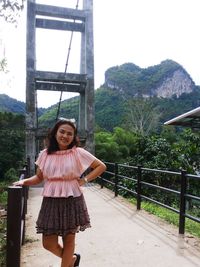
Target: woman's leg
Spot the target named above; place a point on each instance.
(50, 242)
(68, 257)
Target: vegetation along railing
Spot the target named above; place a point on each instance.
(16, 211)
(166, 188)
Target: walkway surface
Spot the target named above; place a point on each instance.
(120, 236)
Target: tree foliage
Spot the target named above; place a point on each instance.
(189, 149)
(117, 146)
(168, 150)
(109, 109)
(141, 116)
(11, 9)
(3, 64)
(12, 136)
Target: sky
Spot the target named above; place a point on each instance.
(143, 32)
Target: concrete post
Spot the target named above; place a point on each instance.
(88, 53)
(30, 86)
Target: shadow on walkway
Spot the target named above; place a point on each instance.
(120, 236)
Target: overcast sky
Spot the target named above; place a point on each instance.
(144, 32)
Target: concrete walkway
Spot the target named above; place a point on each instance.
(120, 236)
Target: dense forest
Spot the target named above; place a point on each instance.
(167, 149)
(12, 145)
(111, 110)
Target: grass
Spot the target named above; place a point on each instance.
(2, 251)
(3, 203)
(169, 216)
(2, 242)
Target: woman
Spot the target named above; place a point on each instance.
(63, 211)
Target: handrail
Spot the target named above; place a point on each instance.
(114, 179)
(16, 212)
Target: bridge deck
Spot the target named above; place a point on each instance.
(120, 236)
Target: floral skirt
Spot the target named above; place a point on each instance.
(62, 216)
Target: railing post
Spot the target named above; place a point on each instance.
(14, 212)
(102, 181)
(182, 202)
(139, 176)
(22, 175)
(24, 212)
(116, 180)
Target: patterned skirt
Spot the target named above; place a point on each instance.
(62, 216)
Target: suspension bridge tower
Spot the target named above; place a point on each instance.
(62, 19)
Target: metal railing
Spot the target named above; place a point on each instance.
(16, 212)
(140, 179)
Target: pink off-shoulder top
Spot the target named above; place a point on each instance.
(61, 170)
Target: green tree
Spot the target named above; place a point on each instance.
(106, 148)
(9, 12)
(11, 175)
(127, 141)
(117, 146)
(12, 142)
(189, 150)
(142, 117)
(11, 9)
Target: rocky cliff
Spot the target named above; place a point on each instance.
(164, 80)
(179, 83)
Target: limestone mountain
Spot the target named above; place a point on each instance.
(163, 80)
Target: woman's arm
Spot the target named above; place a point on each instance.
(33, 180)
(98, 167)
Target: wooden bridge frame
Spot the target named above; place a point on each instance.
(82, 83)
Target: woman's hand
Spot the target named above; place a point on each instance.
(19, 183)
(98, 167)
(81, 181)
(33, 180)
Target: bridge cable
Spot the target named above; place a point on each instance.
(66, 65)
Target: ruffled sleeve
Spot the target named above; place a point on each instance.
(40, 162)
(85, 159)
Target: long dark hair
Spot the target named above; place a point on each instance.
(52, 145)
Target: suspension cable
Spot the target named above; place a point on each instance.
(66, 65)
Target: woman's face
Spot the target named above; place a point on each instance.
(64, 136)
